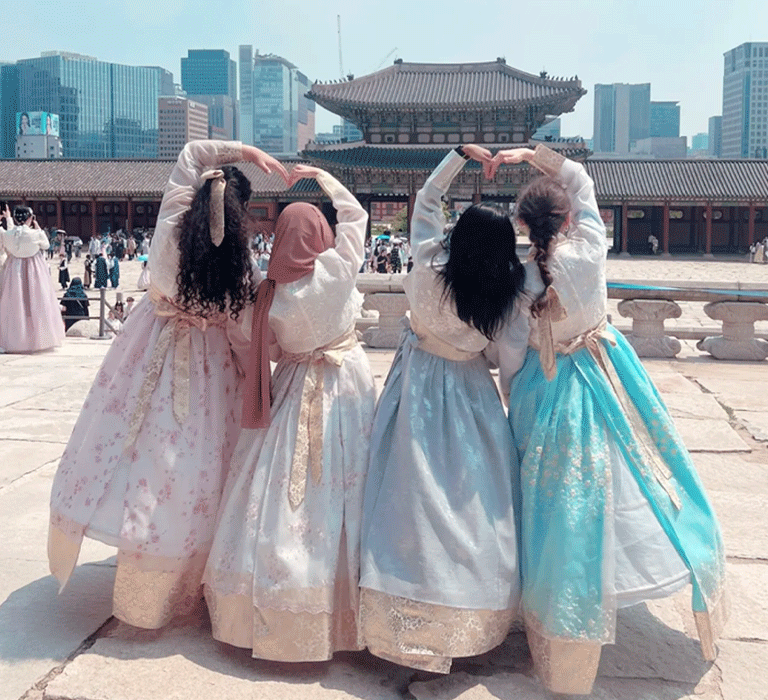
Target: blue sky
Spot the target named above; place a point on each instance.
(676, 46)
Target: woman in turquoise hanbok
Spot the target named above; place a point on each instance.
(612, 509)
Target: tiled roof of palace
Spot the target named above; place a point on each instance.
(631, 180)
(362, 155)
(117, 178)
(447, 85)
(683, 179)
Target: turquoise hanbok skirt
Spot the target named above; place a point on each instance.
(575, 436)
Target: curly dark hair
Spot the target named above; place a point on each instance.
(543, 206)
(483, 275)
(213, 278)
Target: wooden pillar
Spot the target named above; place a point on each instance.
(624, 229)
(665, 229)
(411, 205)
(129, 216)
(94, 231)
(477, 198)
(751, 224)
(59, 214)
(708, 233)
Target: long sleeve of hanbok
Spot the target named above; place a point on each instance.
(428, 220)
(507, 351)
(185, 180)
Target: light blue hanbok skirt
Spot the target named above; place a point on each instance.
(439, 568)
(612, 506)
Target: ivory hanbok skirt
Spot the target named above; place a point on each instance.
(613, 511)
(30, 316)
(282, 577)
(440, 575)
(153, 496)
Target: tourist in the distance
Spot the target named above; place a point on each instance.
(613, 512)
(63, 272)
(87, 271)
(75, 303)
(114, 271)
(439, 570)
(30, 316)
(146, 462)
(282, 577)
(101, 273)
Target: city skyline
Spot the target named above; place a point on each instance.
(678, 51)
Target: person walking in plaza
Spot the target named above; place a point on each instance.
(88, 271)
(63, 272)
(145, 464)
(439, 569)
(114, 271)
(282, 576)
(75, 303)
(30, 316)
(613, 512)
(101, 273)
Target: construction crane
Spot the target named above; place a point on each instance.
(383, 60)
(341, 63)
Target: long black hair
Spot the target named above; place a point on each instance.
(543, 206)
(211, 277)
(483, 275)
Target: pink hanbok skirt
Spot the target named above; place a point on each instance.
(30, 314)
(154, 498)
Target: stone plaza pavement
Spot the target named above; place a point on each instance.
(67, 646)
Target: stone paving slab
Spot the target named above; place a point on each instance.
(744, 669)
(24, 456)
(68, 397)
(742, 519)
(755, 422)
(40, 426)
(736, 391)
(687, 405)
(710, 435)
(184, 664)
(747, 586)
(732, 473)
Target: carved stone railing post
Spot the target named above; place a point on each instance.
(648, 316)
(738, 340)
(392, 306)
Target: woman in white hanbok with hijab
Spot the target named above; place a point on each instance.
(282, 577)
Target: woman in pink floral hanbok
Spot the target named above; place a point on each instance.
(146, 462)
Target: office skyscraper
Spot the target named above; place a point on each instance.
(715, 136)
(622, 116)
(209, 77)
(745, 101)
(281, 117)
(9, 107)
(106, 110)
(665, 119)
(245, 59)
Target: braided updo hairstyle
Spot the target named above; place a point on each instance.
(543, 206)
(210, 277)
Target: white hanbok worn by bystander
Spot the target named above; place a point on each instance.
(282, 577)
(146, 462)
(30, 315)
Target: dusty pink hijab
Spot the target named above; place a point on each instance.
(301, 234)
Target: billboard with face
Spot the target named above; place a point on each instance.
(32, 123)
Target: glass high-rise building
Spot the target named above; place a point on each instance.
(281, 119)
(9, 106)
(665, 119)
(745, 101)
(716, 136)
(106, 110)
(245, 59)
(209, 76)
(622, 116)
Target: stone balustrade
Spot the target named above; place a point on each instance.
(734, 304)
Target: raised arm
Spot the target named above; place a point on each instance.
(428, 220)
(195, 158)
(351, 218)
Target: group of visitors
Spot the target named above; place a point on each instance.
(385, 255)
(316, 520)
(758, 252)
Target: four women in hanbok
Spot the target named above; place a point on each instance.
(146, 462)
(409, 545)
(30, 317)
(440, 575)
(282, 577)
(613, 511)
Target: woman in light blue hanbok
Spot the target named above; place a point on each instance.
(613, 511)
(439, 571)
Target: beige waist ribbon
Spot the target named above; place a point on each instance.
(649, 452)
(429, 342)
(308, 451)
(179, 325)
